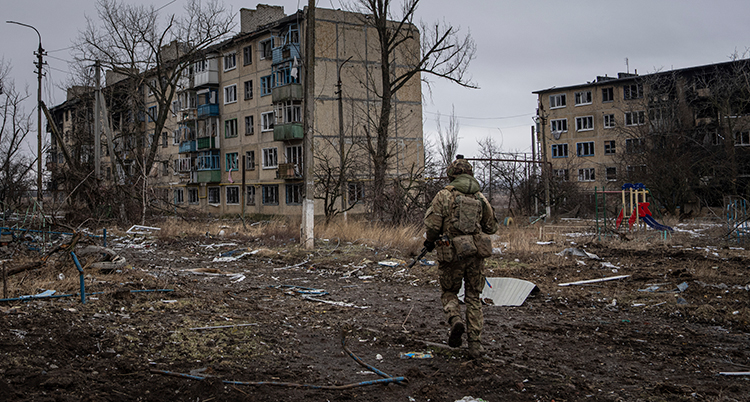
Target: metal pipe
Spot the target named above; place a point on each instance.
(80, 276)
(25, 298)
(285, 384)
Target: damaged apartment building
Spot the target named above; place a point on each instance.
(684, 133)
(233, 142)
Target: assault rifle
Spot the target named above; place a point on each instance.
(442, 241)
(419, 257)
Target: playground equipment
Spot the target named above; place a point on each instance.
(738, 218)
(634, 206)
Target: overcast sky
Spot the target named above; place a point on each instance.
(522, 46)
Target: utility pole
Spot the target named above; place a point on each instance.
(541, 120)
(97, 125)
(342, 179)
(308, 207)
(39, 64)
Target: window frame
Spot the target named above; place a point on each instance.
(293, 193)
(559, 150)
(178, 196)
(248, 89)
(250, 124)
(267, 121)
(230, 128)
(213, 193)
(250, 195)
(270, 194)
(613, 177)
(627, 91)
(265, 47)
(585, 149)
(193, 196)
(266, 85)
(557, 101)
(608, 94)
(230, 94)
(563, 174)
(270, 155)
(608, 120)
(235, 193)
(587, 174)
(578, 98)
(355, 192)
(634, 145)
(580, 126)
(247, 55)
(558, 122)
(250, 160)
(610, 147)
(742, 138)
(231, 161)
(635, 118)
(231, 56)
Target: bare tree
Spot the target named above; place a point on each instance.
(448, 140)
(15, 125)
(443, 54)
(151, 54)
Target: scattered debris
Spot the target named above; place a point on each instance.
(392, 263)
(576, 252)
(609, 265)
(472, 399)
(735, 373)
(46, 293)
(221, 327)
(416, 355)
(228, 257)
(109, 260)
(610, 278)
(505, 291)
(138, 229)
(342, 304)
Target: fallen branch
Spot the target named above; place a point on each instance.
(222, 326)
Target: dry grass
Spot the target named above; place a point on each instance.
(405, 238)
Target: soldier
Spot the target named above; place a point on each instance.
(459, 221)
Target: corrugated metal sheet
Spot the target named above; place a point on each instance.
(505, 291)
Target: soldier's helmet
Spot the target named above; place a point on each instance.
(459, 166)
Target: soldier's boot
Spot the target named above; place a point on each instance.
(456, 332)
(475, 349)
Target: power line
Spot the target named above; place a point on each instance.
(482, 118)
(60, 50)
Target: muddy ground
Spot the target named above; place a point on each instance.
(604, 341)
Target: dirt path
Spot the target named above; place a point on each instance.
(604, 341)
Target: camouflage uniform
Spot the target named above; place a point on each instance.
(470, 269)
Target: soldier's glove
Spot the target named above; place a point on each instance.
(429, 245)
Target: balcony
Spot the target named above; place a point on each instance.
(208, 77)
(206, 143)
(208, 169)
(287, 92)
(289, 171)
(187, 146)
(208, 110)
(186, 115)
(286, 53)
(208, 176)
(288, 132)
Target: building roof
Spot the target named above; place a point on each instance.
(625, 77)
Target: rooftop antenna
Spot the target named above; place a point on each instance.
(627, 66)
